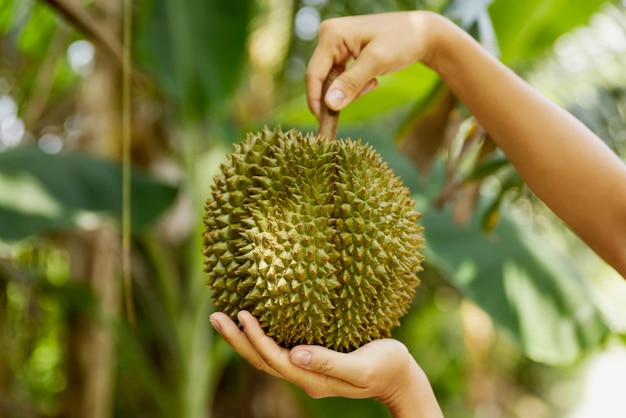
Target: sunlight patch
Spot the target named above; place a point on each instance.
(23, 193)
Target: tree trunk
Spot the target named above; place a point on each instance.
(96, 255)
(91, 344)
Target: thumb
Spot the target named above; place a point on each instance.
(328, 362)
(350, 84)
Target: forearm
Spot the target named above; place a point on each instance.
(563, 163)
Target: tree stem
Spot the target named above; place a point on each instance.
(328, 118)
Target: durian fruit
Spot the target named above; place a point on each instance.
(317, 239)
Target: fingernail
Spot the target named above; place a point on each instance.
(215, 325)
(301, 358)
(335, 98)
(241, 322)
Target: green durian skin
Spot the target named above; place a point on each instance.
(318, 239)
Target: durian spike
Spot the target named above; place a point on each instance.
(328, 118)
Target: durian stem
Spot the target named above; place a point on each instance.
(328, 118)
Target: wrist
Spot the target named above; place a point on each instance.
(439, 35)
(413, 396)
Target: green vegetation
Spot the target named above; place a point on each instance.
(510, 302)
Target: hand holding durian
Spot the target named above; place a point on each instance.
(382, 369)
(563, 162)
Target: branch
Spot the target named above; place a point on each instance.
(80, 17)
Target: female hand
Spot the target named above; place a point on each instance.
(382, 369)
(379, 44)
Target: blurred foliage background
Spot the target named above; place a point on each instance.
(513, 311)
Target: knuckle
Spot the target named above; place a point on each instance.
(309, 75)
(367, 377)
(270, 364)
(315, 392)
(327, 28)
(350, 83)
(323, 366)
(378, 53)
(259, 365)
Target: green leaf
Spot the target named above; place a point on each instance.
(526, 29)
(30, 23)
(40, 192)
(529, 288)
(195, 49)
(489, 168)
